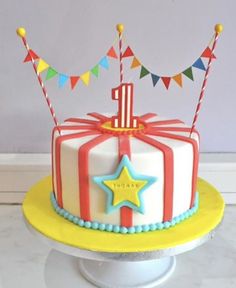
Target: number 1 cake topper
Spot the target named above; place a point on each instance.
(124, 92)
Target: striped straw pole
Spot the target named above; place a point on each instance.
(21, 33)
(218, 30)
(120, 28)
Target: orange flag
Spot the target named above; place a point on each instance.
(178, 79)
(135, 63)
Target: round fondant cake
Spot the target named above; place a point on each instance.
(124, 180)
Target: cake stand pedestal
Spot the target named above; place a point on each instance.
(111, 260)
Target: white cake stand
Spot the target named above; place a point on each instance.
(113, 269)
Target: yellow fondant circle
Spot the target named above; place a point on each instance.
(39, 213)
(128, 191)
(107, 125)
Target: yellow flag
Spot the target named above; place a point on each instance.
(42, 65)
(85, 78)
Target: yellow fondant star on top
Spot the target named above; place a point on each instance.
(124, 187)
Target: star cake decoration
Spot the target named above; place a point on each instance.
(125, 187)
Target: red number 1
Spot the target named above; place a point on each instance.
(124, 95)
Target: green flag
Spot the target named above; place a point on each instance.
(189, 73)
(144, 72)
(51, 73)
(95, 70)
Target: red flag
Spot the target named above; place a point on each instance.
(128, 53)
(166, 81)
(32, 54)
(73, 81)
(207, 53)
(112, 53)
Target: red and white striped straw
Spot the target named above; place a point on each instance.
(218, 30)
(21, 32)
(120, 28)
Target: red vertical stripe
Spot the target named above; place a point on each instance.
(83, 177)
(126, 213)
(58, 143)
(195, 158)
(168, 173)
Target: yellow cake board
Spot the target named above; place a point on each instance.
(39, 213)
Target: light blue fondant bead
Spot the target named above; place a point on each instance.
(146, 228)
(57, 209)
(166, 224)
(160, 226)
(87, 224)
(173, 222)
(191, 212)
(81, 222)
(123, 230)
(187, 214)
(66, 215)
(182, 217)
(177, 219)
(153, 227)
(195, 209)
(62, 212)
(102, 226)
(138, 229)
(109, 227)
(75, 220)
(70, 217)
(131, 230)
(116, 228)
(94, 225)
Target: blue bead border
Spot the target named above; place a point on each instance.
(121, 229)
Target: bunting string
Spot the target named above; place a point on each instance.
(218, 30)
(166, 80)
(42, 66)
(31, 57)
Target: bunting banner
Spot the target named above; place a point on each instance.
(43, 66)
(166, 80)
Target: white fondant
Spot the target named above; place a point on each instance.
(146, 160)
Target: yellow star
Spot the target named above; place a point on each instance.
(125, 188)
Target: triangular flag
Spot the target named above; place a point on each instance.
(85, 78)
(207, 53)
(32, 54)
(128, 53)
(135, 63)
(155, 79)
(42, 65)
(178, 79)
(199, 64)
(95, 70)
(51, 73)
(62, 80)
(104, 62)
(73, 81)
(144, 72)
(166, 81)
(112, 53)
(189, 73)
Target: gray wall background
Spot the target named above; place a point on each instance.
(167, 35)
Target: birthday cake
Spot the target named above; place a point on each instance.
(124, 179)
(124, 173)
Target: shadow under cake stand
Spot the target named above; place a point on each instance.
(112, 260)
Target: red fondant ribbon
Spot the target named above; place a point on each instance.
(168, 173)
(83, 176)
(195, 157)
